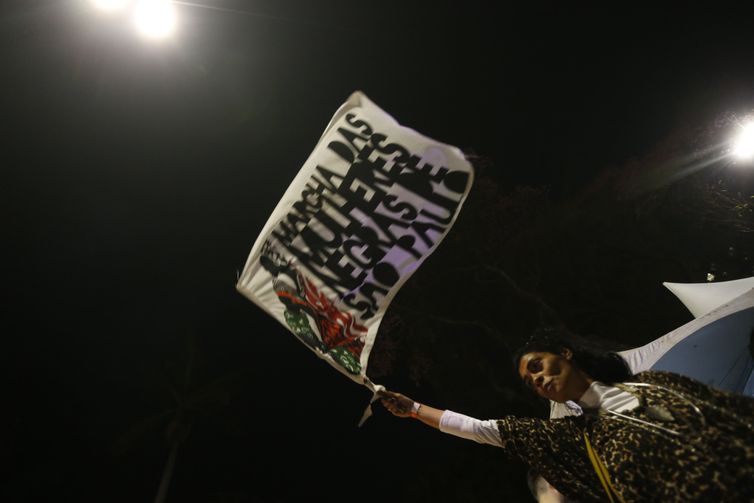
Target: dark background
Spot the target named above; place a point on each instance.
(137, 175)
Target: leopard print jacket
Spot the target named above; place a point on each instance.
(711, 460)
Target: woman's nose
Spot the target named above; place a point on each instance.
(539, 380)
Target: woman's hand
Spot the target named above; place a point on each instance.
(397, 404)
(403, 406)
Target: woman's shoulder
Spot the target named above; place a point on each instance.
(668, 379)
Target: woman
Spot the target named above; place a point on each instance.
(656, 436)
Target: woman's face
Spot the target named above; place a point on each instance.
(553, 376)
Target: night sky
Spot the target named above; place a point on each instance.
(136, 176)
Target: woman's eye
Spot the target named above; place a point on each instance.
(535, 366)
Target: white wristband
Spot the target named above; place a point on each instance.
(415, 409)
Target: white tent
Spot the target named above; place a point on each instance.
(701, 298)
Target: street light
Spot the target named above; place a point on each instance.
(155, 19)
(743, 145)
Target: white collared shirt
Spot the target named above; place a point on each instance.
(601, 396)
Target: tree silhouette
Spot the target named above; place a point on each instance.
(185, 401)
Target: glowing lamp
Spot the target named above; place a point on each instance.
(743, 145)
(154, 19)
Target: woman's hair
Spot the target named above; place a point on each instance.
(603, 366)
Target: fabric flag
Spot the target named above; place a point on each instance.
(369, 205)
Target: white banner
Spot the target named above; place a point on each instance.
(371, 202)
